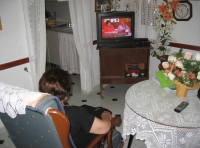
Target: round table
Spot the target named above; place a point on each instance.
(149, 113)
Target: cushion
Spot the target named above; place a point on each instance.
(164, 81)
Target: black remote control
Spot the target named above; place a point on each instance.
(181, 106)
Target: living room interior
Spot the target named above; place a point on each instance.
(15, 42)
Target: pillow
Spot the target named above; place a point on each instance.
(164, 81)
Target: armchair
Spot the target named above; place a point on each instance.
(45, 125)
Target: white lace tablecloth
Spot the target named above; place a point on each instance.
(149, 113)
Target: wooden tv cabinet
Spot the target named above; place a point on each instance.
(115, 61)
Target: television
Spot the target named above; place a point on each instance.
(115, 29)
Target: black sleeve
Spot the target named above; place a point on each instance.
(96, 111)
(80, 119)
(85, 119)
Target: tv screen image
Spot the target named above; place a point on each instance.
(116, 27)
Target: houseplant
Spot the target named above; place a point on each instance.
(164, 28)
(184, 70)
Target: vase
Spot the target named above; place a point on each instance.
(162, 59)
(181, 89)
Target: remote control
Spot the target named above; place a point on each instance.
(181, 106)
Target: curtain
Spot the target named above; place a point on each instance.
(81, 17)
(69, 59)
(34, 15)
(144, 17)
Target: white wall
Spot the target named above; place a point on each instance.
(13, 44)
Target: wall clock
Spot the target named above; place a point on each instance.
(184, 11)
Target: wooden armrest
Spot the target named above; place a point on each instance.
(115, 121)
(62, 125)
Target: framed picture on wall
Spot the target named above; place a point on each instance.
(102, 5)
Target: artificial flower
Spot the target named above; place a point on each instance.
(164, 27)
(165, 65)
(188, 55)
(191, 76)
(174, 4)
(197, 56)
(179, 64)
(183, 67)
(171, 76)
(178, 73)
(171, 58)
(162, 8)
(167, 16)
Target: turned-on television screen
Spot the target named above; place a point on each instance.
(115, 29)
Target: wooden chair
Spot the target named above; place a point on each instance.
(46, 125)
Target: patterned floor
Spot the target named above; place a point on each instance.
(113, 100)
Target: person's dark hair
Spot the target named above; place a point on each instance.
(55, 82)
(108, 21)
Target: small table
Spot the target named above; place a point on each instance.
(149, 113)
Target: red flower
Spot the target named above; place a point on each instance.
(178, 73)
(162, 8)
(168, 16)
(174, 4)
(191, 76)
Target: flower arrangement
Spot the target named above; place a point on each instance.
(183, 67)
(164, 27)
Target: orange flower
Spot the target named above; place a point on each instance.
(167, 16)
(167, 71)
(191, 76)
(162, 8)
(174, 4)
(178, 73)
(171, 66)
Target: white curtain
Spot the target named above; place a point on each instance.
(69, 59)
(144, 17)
(34, 15)
(81, 17)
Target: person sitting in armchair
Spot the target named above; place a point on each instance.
(84, 124)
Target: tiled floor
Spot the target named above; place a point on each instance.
(93, 99)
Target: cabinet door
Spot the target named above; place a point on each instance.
(112, 62)
(131, 55)
(53, 48)
(136, 55)
(142, 55)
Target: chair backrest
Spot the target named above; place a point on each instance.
(36, 128)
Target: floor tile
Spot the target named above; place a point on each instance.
(3, 130)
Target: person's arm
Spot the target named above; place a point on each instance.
(101, 126)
